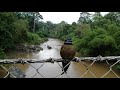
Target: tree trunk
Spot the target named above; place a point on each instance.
(34, 24)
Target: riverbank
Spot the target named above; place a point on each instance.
(28, 48)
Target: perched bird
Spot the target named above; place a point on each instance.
(67, 53)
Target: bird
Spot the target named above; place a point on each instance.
(67, 53)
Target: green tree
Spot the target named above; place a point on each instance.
(85, 18)
(7, 29)
(37, 16)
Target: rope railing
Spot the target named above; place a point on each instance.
(14, 72)
(52, 60)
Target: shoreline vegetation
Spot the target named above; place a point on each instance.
(28, 48)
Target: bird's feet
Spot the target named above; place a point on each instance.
(76, 59)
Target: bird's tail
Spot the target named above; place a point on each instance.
(65, 65)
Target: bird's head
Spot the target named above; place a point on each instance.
(68, 41)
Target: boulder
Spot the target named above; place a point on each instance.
(49, 47)
(29, 48)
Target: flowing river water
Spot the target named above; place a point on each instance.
(52, 70)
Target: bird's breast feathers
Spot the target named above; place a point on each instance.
(67, 52)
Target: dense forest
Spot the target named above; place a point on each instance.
(19, 28)
(92, 35)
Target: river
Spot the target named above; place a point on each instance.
(52, 70)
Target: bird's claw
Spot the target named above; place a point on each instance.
(76, 59)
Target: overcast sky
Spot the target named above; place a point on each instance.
(57, 17)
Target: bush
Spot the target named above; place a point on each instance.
(40, 34)
(2, 54)
(33, 38)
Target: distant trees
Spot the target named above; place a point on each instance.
(36, 16)
(85, 18)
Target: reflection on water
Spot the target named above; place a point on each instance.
(51, 70)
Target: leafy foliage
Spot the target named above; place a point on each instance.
(33, 38)
(2, 54)
(15, 28)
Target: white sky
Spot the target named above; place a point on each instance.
(57, 17)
